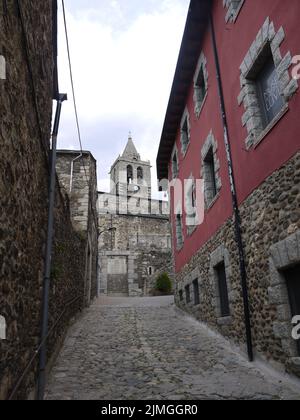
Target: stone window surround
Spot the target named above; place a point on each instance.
(201, 66)
(284, 255)
(150, 271)
(3, 328)
(178, 212)
(220, 255)
(188, 281)
(211, 142)
(180, 294)
(175, 153)
(185, 119)
(191, 220)
(233, 9)
(252, 119)
(188, 294)
(2, 67)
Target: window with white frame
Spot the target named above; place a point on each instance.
(200, 84)
(185, 135)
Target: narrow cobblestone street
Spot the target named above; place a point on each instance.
(139, 349)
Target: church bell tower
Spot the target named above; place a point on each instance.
(131, 176)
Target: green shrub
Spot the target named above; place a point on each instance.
(164, 284)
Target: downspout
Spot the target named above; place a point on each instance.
(72, 170)
(237, 217)
(47, 269)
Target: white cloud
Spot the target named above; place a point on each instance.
(123, 69)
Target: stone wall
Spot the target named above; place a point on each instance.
(270, 215)
(78, 178)
(162, 263)
(143, 243)
(26, 113)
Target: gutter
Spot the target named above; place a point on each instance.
(48, 257)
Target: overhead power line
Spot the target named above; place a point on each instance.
(73, 89)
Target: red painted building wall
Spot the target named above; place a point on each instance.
(281, 143)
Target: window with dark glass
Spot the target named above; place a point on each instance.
(179, 232)
(181, 295)
(292, 277)
(210, 176)
(175, 165)
(185, 133)
(223, 290)
(200, 88)
(196, 292)
(188, 294)
(269, 93)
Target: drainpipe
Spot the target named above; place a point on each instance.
(237, 217)
(72, 170)
(47, 269)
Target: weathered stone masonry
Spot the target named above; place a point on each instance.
(78, 178)
(26, 112)
(270, 215)
(139, 243)
(134, 230)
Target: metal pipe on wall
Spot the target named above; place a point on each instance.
(72, 171)
(48, 257)
(237, 217)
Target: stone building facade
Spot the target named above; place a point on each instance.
(77, 173)
(135, 238)
(28, 45)
(262, 131)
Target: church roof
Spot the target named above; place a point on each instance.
(130, 151)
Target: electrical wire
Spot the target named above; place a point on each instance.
(74, 98)
(73, 89)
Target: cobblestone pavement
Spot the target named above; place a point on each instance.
(144, 349)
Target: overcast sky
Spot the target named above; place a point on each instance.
(124, 54)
